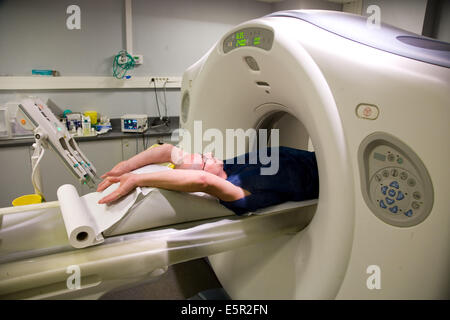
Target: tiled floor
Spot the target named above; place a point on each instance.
(181, 281)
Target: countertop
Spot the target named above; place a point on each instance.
(115, 133)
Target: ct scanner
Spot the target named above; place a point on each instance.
(373, 102)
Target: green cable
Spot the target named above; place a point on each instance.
(120, 69)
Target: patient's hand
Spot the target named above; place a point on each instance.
(119, 169)
(128, 182)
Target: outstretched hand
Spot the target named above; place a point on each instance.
(128, 182)
(119, 169)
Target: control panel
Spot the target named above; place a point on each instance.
(395, 183)
(249, 37)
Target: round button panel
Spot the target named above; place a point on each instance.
(395, 183)
(396, 192)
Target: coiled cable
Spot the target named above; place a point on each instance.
(122, 64)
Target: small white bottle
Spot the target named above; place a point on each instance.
(86, 126)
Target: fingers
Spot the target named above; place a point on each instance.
(118, 170)
(107, 182)
(112, 173)
(127, 184)
(113, 196)
(105, 175)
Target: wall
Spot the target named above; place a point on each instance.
(306, 4)
(171, 34)
(443, 31)
(404, 14)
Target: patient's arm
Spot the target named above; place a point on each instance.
(160, 154)
(177, 180)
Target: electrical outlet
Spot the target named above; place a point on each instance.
(138, 58)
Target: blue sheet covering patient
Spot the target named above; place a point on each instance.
(296, 179)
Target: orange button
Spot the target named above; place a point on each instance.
(23, 121)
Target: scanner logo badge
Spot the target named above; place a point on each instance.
(374, 280)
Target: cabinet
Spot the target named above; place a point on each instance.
(132, 145)
(15, 172)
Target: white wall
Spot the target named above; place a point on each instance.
(404, 14)
(306, 4)
(171, 34)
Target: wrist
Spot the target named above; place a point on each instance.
(136, 180)
(129, 166)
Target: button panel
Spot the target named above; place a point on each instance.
(395, 183)
(394, 195)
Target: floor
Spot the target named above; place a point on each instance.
(182, 281)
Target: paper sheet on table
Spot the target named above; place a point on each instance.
(85, 219)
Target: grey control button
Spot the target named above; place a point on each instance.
(391, 157)
(252, 64)
(394, 172)
(415, 205)
(417, 195)
(378, 177)
(411, 182)
(385, 173)
(403, 175)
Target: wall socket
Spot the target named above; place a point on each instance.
(138, 58)
(161, 78)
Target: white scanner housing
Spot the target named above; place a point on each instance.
(353, 91)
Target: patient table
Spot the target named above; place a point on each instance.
(37, 260)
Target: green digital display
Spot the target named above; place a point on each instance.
(243, 40)
(249, 37)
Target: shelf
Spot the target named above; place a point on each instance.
(76, 83)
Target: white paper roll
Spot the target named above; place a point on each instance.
(85, 219)
(82, 229)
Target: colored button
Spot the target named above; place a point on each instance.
(400, 196)
(393, 209)
(389, 200)
(394, 184)
(382, 204)
(399, 160)
(367, 111)
(384, 189)
(391, 192)
(409, 213)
